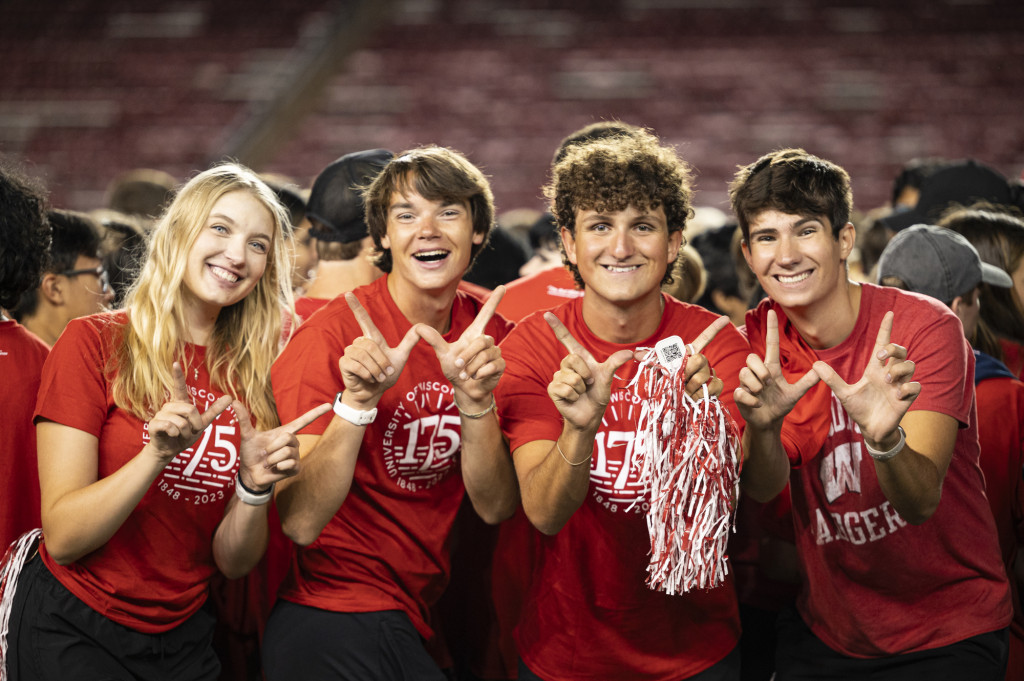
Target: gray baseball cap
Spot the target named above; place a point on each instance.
(937, 262)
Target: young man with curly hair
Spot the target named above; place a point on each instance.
(863, 403)
(621, 205)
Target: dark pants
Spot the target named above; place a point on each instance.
(54, 636)
(319, 645)
(727, 669)
(802, 655)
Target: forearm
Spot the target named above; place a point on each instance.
(766, 465)
(82, 520)
(241, 538)
(553, 489)
(308, 501)
(487, 469)
(912, 484)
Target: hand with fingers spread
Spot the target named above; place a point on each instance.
(370, 366)
(179, 424)
(884, 393)
(271, 455)
(473, 363)
(765, 396)
(581, 388)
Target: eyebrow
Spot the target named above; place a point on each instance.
(796, 225)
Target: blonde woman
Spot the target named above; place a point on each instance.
(152, 471)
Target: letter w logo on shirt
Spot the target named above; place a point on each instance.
(840, 471)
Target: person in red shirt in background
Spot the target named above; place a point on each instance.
(343, 244)
(413, 433)
(860, 397)
(942, 264)
(150, 483)
(24, 251)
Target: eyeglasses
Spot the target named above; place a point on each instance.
(100, 272)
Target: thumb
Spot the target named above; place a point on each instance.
(412, 337)
(810, 379)
(614, 362)
(828, 375)
(432, 337)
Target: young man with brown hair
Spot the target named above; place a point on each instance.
(860, 398)
(414, 431)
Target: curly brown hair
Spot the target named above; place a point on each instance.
(614, 173)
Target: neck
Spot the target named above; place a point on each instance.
(828, 323)
(200, 321)
(46, 324)
(433, 308)
(335, 277)
(622, 324)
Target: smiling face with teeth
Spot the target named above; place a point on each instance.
(622, 257)
(430, 241)
(228, 257)
(797, 260)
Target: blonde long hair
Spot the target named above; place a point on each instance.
(246, 336)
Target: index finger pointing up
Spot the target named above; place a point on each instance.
(771, 339)
(307, 418)
(485, 314)
(884, 331)
(564, 337)
(363, 318)
(179, 391)
(708, 334)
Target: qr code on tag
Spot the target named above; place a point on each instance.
(670, 351)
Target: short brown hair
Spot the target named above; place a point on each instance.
(795, 182)
(436, 174)
(613, 173)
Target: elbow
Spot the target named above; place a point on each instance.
(759, 492)
(61, 549)
(544, 522)
(497, 515)
(921, 513)
(300, 534)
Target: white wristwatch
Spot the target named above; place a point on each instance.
(354, 416)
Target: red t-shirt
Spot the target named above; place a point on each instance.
(1013, 356)
(589, 613)
(1000, 435)
(875, 585)
(21, 362)
(153, 573)
(539, 291)
(387, 546)
(306, 306)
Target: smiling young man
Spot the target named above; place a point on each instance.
(414, 431)
(861, 398)
(621, 205)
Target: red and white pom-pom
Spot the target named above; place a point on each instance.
(14, 559)
(687, 452)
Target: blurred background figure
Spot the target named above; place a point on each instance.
(942, 264)
(141, 192)
(74, 285)
(124, 250)
(338, 225)
(24, 252)
(300, 241)
(998, 237)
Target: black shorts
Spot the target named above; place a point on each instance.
(802, 655)
(54, 636)
(320, 645)
(726, 669)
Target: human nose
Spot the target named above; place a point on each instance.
(788, 252)
(234, 250)
(622, 243)
(428, 227)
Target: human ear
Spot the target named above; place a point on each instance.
(52, 288)
(569, 244)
